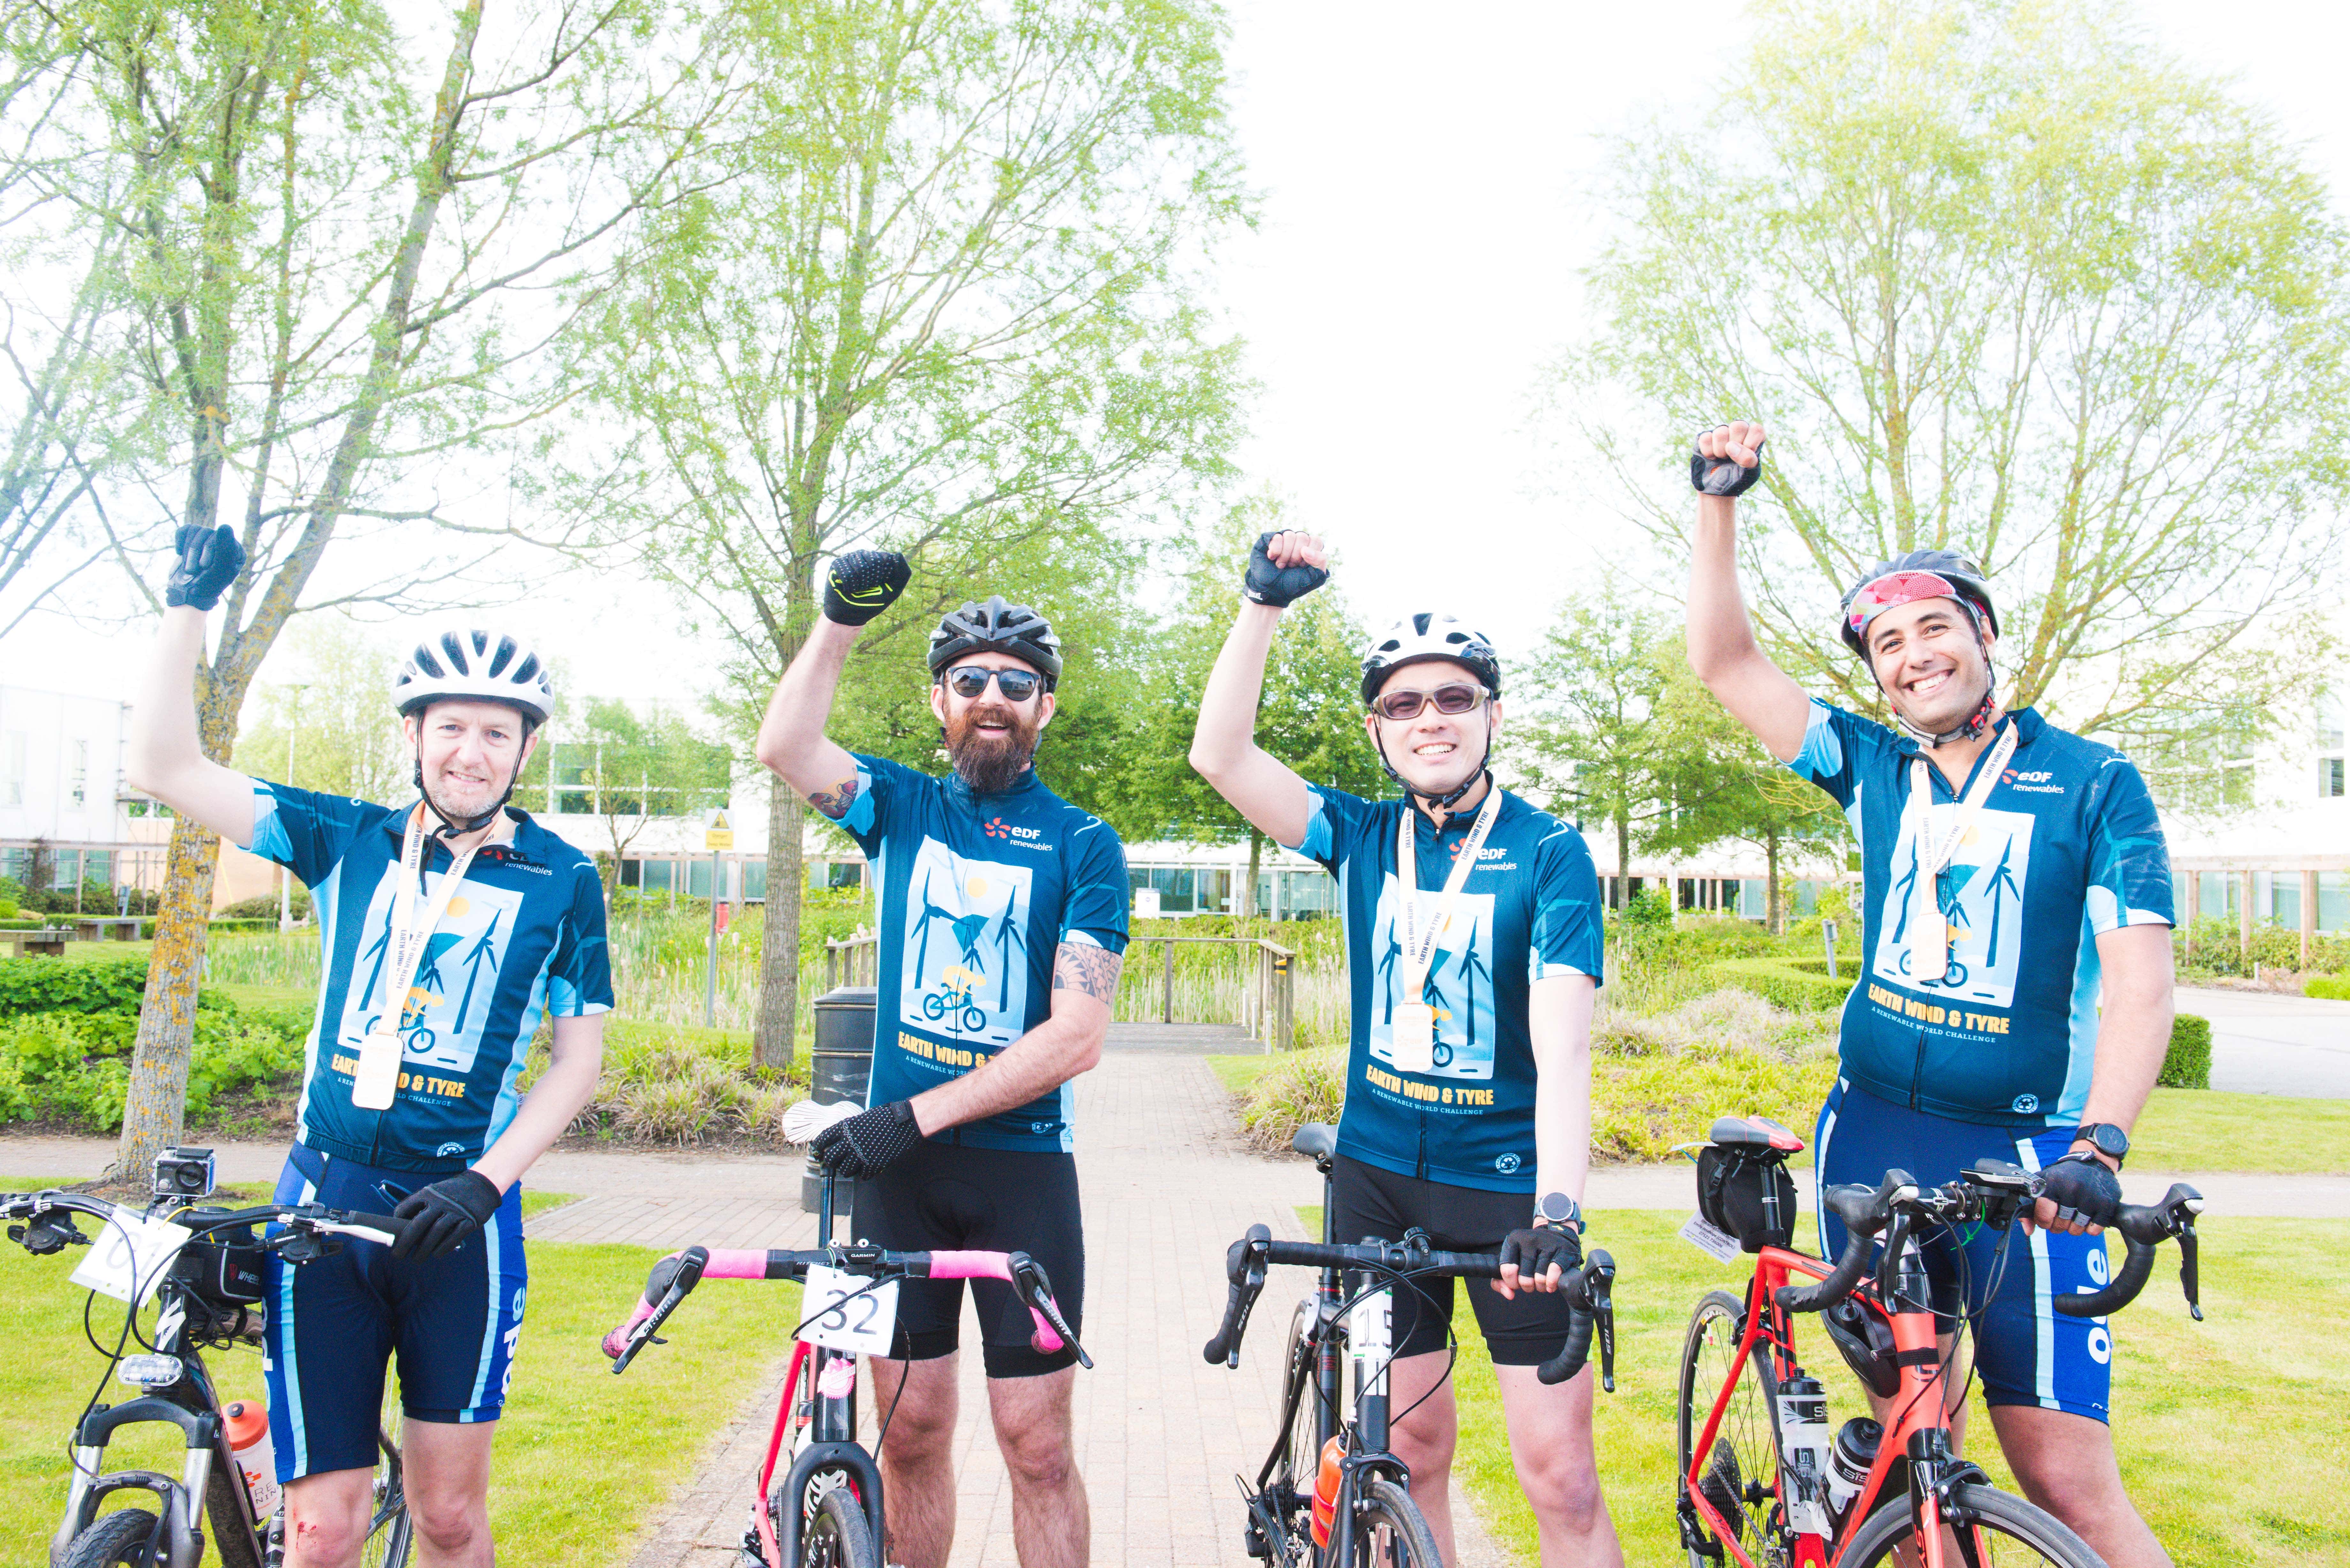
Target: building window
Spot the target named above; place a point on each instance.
(12, 768)
(2330, 752)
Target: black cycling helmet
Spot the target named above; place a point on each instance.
(1004, 627)
(1960, 579)
(1424, 636)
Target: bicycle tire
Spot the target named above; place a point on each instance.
(117, 1540)
(1989, 1512)
(1390, 1531)
(1284, 1508)
(1742, 1475)
(224, 1511)
(839, 1535)
(390, 1532)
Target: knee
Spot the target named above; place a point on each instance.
(1039, 1455)
(448, 1526)
(1424, 1441)
(920, 1430)
(325, 1526)
(1563, 1488)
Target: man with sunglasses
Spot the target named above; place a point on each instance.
(1002, 919)
(1469, 1075)
(2017, 1002)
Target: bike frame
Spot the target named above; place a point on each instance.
(1919, 1434)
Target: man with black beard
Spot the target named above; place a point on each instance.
(1002, 919)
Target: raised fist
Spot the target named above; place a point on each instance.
(862, 584)
(1728, 459)
(1284, 568)
(210, 559)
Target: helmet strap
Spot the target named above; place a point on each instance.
(1439, 803)
(1972, 727)
(456, 826)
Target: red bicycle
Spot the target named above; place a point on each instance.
(1763, 1482)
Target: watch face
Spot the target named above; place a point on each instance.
(2109, 1140)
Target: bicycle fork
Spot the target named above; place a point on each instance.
(1370, 1344)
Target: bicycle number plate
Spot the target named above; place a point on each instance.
(844, 1316)
(131, 1250)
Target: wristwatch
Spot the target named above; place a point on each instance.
(2105, 1139)
(1559, 1212)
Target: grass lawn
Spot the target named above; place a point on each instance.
(584, 1458)
(2222, 1425)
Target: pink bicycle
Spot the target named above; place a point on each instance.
(825, 1512)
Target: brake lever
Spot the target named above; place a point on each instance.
(1602, 1312)
(49, 1234)
(2189, 1271)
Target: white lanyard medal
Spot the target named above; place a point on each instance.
(1412, 1033)
(377, 1077)
(1930, 928)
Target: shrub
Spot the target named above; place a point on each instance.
(1308, 1086)
(1794, 983)
(45, 985)
(2187, 1064)
(265, 907)
(2335, 988)
(75, 1067)
(1649, 907)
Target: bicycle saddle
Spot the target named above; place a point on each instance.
(1753, 1132)
(1316, 1139)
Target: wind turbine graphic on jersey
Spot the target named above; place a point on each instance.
(1008, 936)
(481, 953)
(966, 929)
(2003, 883)
(1472, 965)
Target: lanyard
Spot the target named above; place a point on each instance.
(1921, 801)
(1419, 949)
(410, 933)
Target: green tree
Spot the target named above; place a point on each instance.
(347, 237)
(1309, 717)
(1718, 785)
(330, 725)
(2000, 277)
(945, 302)
(633, 768)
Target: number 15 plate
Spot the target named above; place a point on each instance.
(843, 1315)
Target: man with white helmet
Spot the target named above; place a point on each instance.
(1001, 920)
(1469, 1078)
(452, 927)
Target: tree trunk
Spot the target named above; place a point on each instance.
(1623, 859)
(153, 1114)
(779, 951)
(1771, 859)
(1256, 857)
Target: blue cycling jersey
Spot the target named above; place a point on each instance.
(2066, 847)
(523, 940)
(1529, 909)
(977, 893)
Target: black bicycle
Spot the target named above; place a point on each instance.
(210, 1297)
(1330, 1493)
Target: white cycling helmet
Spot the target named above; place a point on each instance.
(1424, 636)
(472, 665)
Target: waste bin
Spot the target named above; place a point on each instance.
(841, 1068)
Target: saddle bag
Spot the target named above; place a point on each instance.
(1744, 1189)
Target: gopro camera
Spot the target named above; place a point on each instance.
(183, 1173)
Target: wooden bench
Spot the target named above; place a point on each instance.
(97, 928)
(49, 942)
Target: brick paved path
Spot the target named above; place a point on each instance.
(1160, 1432)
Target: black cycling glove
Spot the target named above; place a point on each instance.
(862, 584)
(1719, 475)
(2082, 1189)
(869, 1142)
(210, 559)
(1267, 584)
(444, 1216)
(1536, 1248)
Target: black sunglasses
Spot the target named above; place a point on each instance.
(1449, 698)
(969, 681)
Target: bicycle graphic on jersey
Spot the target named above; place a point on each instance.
(955, 989)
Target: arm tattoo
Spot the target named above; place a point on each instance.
(1079, 966)
(835, 802)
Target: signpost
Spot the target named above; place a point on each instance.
(1827, 935)
(717, 836)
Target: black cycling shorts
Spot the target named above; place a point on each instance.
(942, 1198)
(1371, 1202)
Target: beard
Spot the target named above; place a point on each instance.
(991, 761)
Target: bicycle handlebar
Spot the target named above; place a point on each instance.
(1590, 1304)
(674, 1277)
(1897, 1202)
(299, 1219)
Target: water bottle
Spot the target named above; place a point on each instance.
(1326, 1490)
(248, 1442)
(1850, 1460)
(1803, 1453)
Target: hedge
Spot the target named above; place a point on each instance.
(2332, 988)
(1799, 984)
(2187, 1064)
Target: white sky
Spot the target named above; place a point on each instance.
(1413, 271)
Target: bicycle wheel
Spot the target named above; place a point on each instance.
(116, 1539)
(389, 1531)
(1741, 1477)
(839, 1534)
(1390, 1531)
(1999, 1529)
(1284, 1511)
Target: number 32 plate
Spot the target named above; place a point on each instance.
(841, 1318)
